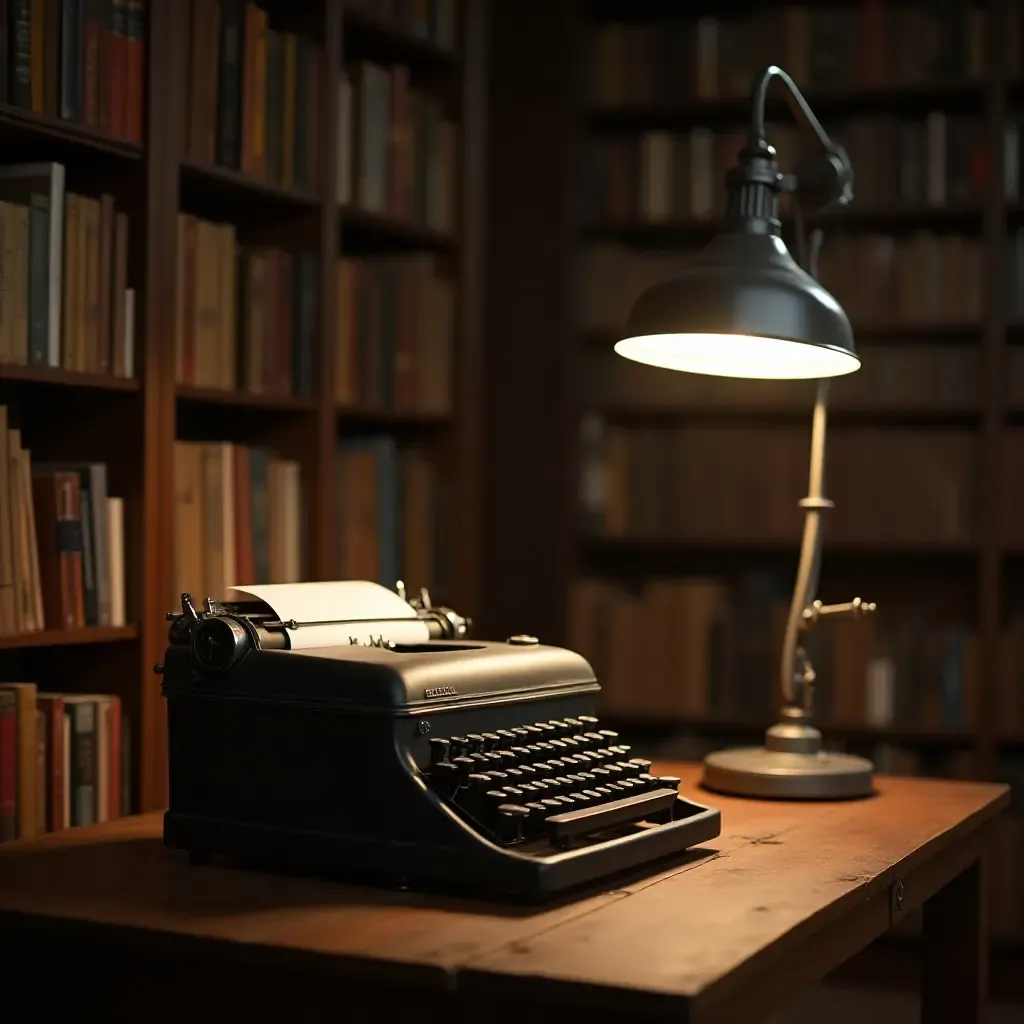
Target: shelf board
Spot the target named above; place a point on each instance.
(213, 178)
(69, 135)
(385, 419)
(718, 727)
(378, 37)
(382, 230)
(243, 399)
(675, 414)
(697, 230)
(69, 637)
(635, 548)
(654, 116)
(67, 378)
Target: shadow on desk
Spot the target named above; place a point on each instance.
(141, 876)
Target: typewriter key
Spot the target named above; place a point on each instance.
(439, 749)
(445, 775)
(459, 746)
(588, 721)
(575, 725)
(608, 734)
(511, 821)
(476, 743)
(491, 741)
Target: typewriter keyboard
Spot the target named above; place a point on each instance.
(554, 782)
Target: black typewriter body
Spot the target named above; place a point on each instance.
(451, 763)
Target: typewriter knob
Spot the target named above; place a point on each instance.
(219, 642)
(523, 640)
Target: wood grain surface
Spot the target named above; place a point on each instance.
(791, 886)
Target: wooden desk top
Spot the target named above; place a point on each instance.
(784, 880)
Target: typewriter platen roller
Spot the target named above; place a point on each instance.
(390, 746)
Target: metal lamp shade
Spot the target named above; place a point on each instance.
(743, 308)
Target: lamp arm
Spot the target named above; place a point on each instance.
(806, 586)
(797, 104)
(809, 567)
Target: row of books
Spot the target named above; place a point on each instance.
(397, 149)
(920, 278)
(61, 542)
(78, 60)
(435, 21)
(395, 335)
(254, 94)
(697, 648)
(392, 513)
(881, 280)
(245, 317)
(661, 176)
(64, 271)
(911, 378)
(239, 517)
(64, 760)
(833, 47)
(726, 483)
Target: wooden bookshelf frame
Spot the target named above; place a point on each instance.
(166, 180)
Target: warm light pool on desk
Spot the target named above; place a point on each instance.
(746, 308)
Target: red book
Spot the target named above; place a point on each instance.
(52, 708)
(117, 94)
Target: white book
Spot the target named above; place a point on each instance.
(115, 557)
(880, 679)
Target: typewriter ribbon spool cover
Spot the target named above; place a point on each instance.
(339, 727)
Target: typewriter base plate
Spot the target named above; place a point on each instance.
(534, 872)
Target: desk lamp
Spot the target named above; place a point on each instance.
(745, 308)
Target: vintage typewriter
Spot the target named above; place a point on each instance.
(342, 727)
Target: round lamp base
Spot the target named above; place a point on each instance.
(783, 775)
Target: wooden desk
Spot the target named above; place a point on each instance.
(106, 921)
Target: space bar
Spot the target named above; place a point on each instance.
(616, 812)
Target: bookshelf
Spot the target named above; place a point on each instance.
(209, 376)
(629, 185)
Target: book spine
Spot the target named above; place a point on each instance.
(20, 42)
(229, 119)
(51, 57)
(135, 92)
(70, 45)
(8, 769)
(38, 278)
(91, 63)
(83, 762)
(118, 104)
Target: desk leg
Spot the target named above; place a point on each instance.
(955, 970)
